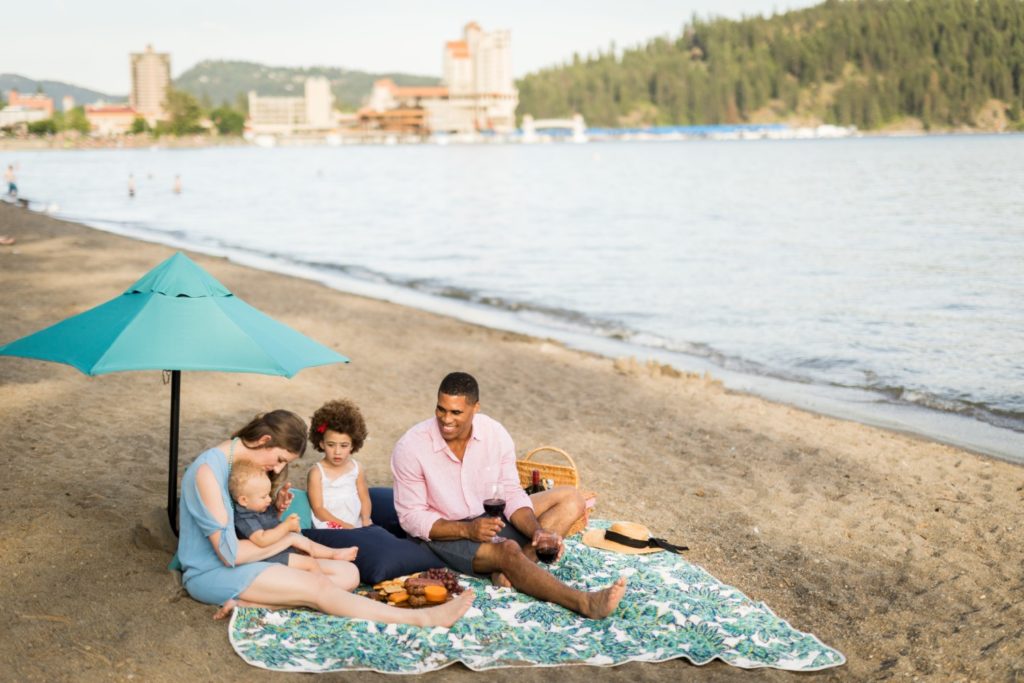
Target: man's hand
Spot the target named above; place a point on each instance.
(284, 497)
(292, 522)
(483, 529)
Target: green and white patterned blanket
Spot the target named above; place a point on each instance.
(671, 609)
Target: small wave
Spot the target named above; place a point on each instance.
(997, 417)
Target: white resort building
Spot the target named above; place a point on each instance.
(311, 114)
(478, 93)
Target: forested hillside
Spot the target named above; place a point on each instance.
(942, 63)
(215, 82)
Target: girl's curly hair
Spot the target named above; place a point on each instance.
(341, 416)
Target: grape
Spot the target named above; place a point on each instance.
(447, 578)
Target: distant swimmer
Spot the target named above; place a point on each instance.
(177, 184)
(131, 185)
(12, 186)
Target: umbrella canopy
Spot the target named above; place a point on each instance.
(176, 317)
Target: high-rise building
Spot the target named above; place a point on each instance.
(481, 92)
(151, 78)
(478, 92)
(480, 63)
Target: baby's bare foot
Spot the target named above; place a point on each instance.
(602, 603)
(225, 610)
(347, 554)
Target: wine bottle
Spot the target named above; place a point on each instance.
(535, 485)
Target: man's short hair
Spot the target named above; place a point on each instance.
(460, 384)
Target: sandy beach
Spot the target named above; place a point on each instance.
(902, 553)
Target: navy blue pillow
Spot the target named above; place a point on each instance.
(381, 555)
(382, 510)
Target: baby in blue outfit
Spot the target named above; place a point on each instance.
(255, 520)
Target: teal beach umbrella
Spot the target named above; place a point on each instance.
(177, 317)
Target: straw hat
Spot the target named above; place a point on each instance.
(595, 538)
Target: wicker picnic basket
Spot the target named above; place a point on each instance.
(560, 475)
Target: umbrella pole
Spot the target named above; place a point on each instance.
(172, 478)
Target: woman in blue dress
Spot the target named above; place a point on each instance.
(220, 569)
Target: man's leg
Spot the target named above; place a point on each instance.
(558, 508)
(526, 577)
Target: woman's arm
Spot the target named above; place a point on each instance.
(365, 506)
(315, 491)
(210, 493)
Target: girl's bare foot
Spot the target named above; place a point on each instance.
(600, 604)
(347, 554)
(225, 610)
(447, 614)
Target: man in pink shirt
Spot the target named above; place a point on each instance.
(444, 468)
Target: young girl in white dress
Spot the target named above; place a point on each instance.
(338, 495)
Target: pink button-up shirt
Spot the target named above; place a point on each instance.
(432, 484)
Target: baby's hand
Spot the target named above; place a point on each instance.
(347, 554)
(292, 522)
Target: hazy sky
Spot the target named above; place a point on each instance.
(87, 42)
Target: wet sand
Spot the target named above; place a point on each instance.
(902, 553)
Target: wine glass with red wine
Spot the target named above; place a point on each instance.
(494, 504)
(546, 545)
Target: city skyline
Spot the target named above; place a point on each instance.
(86, 44)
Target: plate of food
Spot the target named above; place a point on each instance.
(423, 589)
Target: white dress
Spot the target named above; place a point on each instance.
(341, 498)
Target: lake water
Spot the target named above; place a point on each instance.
(880, 279)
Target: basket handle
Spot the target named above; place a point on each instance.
(538, 449)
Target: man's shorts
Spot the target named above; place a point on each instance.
(459, 554)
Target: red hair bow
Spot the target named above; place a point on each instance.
(322, 428)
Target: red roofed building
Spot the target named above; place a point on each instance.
(107, 120)
(16, 99)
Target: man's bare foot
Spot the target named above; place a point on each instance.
(500, 580)
(347, 554)
(225, 610)
(600, 604)
(447, 614)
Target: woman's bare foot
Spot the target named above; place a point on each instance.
(347, 554)
(500, 580)
(600, 604)
(225, 610)
(447, 614)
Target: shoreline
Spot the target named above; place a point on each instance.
(902, 553)
(14, 145)
(860, 405)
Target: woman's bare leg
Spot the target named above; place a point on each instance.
(343, 574)
(280, 586)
